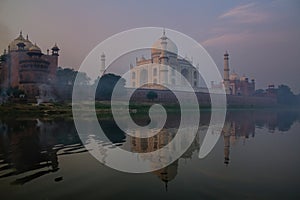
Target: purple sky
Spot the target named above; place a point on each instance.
(262, 37)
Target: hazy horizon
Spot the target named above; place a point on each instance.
(262, 37)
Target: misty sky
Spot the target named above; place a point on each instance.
(262, 37)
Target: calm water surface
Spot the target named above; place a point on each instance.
(257, 157)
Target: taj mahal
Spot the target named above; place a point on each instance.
(164, 52)
(166, 67)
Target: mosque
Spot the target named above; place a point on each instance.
(25, 67)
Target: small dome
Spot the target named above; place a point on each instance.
(171, 46)
(20, 39)
(27, 43)
(35, 48)
(244, 78)
(234, 76)
(14, 44)
(55, 47)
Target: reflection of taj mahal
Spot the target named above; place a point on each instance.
(164, 53)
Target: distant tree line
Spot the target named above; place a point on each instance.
(65, 80)
(107, 84)
(283, 94)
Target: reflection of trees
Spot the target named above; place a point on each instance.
(34, 146)
(241, 125)
(286, 120)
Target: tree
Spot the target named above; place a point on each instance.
(285, 96)
(259, 92)
(151, 95)
(106, 85)
(65, 80)
(82, 78)
(67, 76)
(15, 92)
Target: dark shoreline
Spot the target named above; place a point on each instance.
(64, 110)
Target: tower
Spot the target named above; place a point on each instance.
(226, 72)
(102, 67)
(55, 50)
(164, 59)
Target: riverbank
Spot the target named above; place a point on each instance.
(103, 110)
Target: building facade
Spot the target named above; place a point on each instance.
(25, 67)
(235, 85)
(149, 73)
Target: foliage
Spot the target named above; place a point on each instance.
(259, 92)
(14, 92)
(66, 76)
(285, 96)
(106, 85)
(151, 95)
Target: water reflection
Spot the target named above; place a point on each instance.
(34, 146)
(30, 148)
(241, 125)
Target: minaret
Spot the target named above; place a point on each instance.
(54, 62)
(164, 59)
(55, 50)
(226, 72)
(102, 67)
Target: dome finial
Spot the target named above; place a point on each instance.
(27, 37)
(164, 31)
(21, 33)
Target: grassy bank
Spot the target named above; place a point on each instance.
(103, 110)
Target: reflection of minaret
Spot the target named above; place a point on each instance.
(226, 72)
(168, 173)
(226, 136)
(102, 67)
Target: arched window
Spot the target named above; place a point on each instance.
(154, 72)
(195, 75)
(173, 81)
(173, 72)
(133, 75)
(185, 73)
(143, 77)
(133, 84)
(155, 81)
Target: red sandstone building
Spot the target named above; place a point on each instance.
(25, 67)
(235, 85)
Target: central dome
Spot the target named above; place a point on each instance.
(171, 46)
(35, 48)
